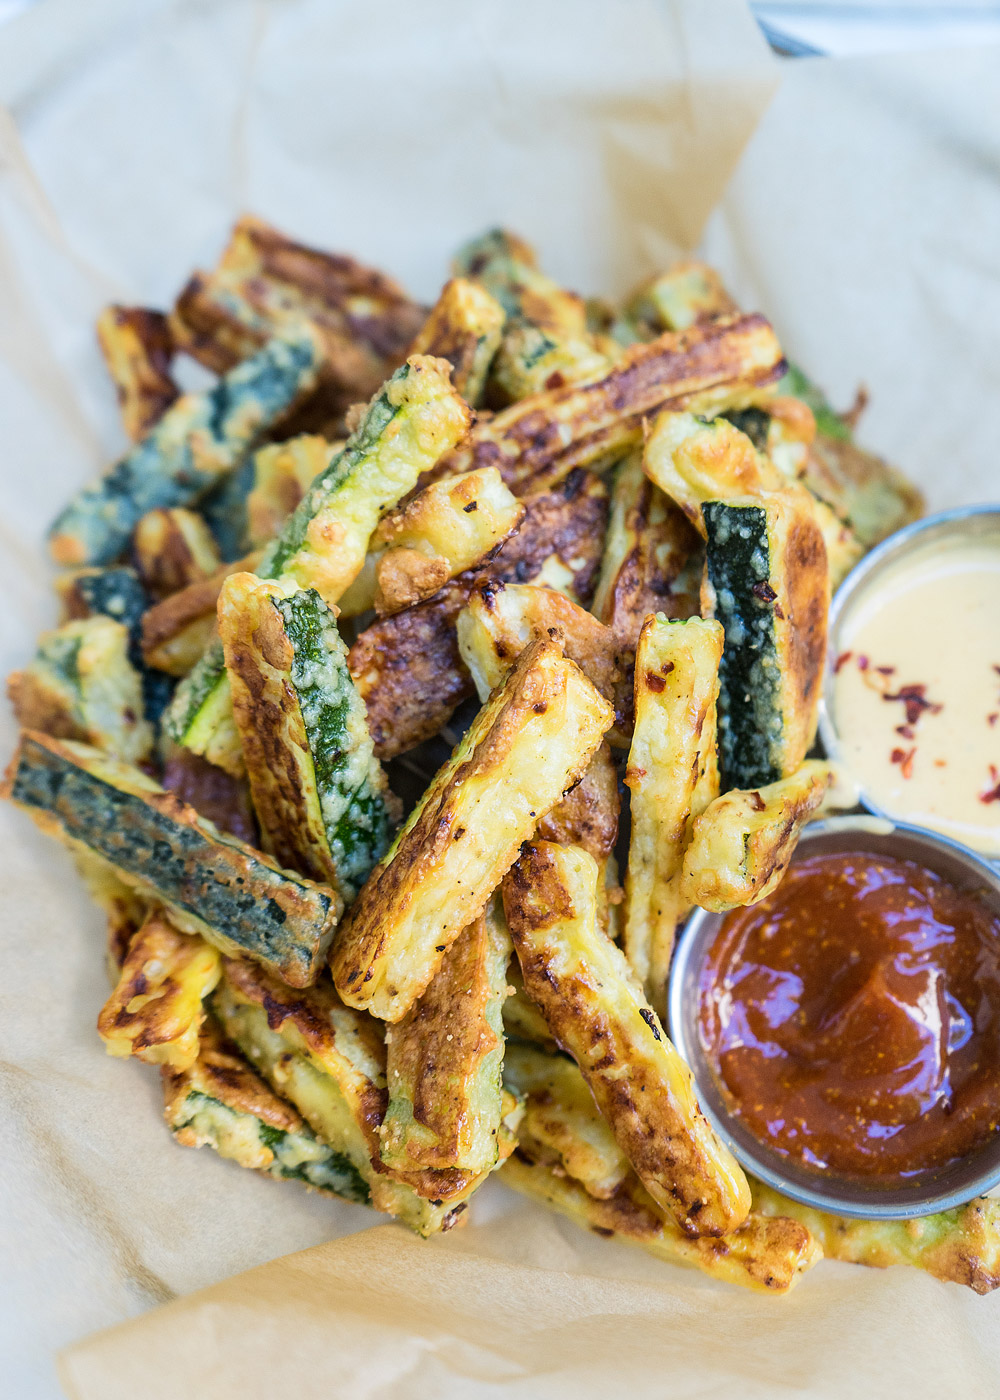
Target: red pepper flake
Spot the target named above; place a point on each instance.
(763, 591)
(885, 670)
(992, 719)
(862, 663)
(992, 794)
(914, 697)
(903, 730)
(940, 763)
(904, 757)
(841, 660)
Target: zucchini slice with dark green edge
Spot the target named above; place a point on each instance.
(194, 445)
(414, 418)
(82, 685)
(445, 1058)
(770, 589)
(329, 1061)
(222, 1103)
(211, 883)
(318, 790)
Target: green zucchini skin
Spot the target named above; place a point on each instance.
(117, 592)
(212, 883)
(196, 442)
(749, 707)
(298, 1156)
(349, 779)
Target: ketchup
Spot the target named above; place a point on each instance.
(852, 1018)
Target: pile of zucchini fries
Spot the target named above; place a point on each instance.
(363, 648)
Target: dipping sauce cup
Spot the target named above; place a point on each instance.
(911, 694)
(969, 882)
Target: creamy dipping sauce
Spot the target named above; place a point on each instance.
(916, 691)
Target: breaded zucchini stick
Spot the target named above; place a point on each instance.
(82, 685)
(220, 1102)
(329, 1061)
(528, 744)
(597, 1013)
(687, 294)
(561, 1126)
(673, 775)
(173, 548)
(742, 842)
(767, 1255)
(445, 1058)
(522, 1019)
(538, 441)
(318, 790)
(451, 526)
(407, 666)
(177, 631)
(464, 327)
(282, 474)
(415, 417)
(211, 884)
(156, 1009)
(137, 349)
(199, 440)
(956, 1246)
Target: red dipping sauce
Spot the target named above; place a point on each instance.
(852, 1018)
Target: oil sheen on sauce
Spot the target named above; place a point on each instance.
(852, 1018)
(916, 691)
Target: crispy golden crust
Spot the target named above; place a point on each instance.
(137, 349)
(596, 1011)
(956, 1246)
(444, 1060)
(212, 792)
(805, 571)
(155, 1011)
(463, 327)
(173, 548)
(176, 631)
(765, 1254)
(283, 472)
(742, 842)
(536, 442)
(407, 667)
(588, 815)
(221, 1072)
(534, 739)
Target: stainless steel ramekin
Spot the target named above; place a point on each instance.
(927, 535)
(925, 1194)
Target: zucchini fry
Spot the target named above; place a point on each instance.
(177, 631)
(407, 667)
(318, 789)
(220, 1102)
(198, 441)
(956, 1246)
(156, 1009)
(742, 842)
(530, 743)
(124, 909)
(137, 349)
(588, 814)
(263, 280)
(687, 294)
(445, 1059)
(597, 1013)
(451, 526)
(522, 1019)
(766, 1254)
(694, 462)
(769, 586)
(673, 775)
(561, 1125)
(508, 268)
(415, 417)
(330, 1062)
(282, 474)
(537, 442)
(82, 685)
(463, 327)
(173, 548)
(215, 885)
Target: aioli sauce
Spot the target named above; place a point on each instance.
(852, 1018)
(916, 692)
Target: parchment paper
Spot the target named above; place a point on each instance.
(863, 218)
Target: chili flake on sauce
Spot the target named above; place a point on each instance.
(852, 1018)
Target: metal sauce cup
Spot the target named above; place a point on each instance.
(939, 1189)
(927, 536)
